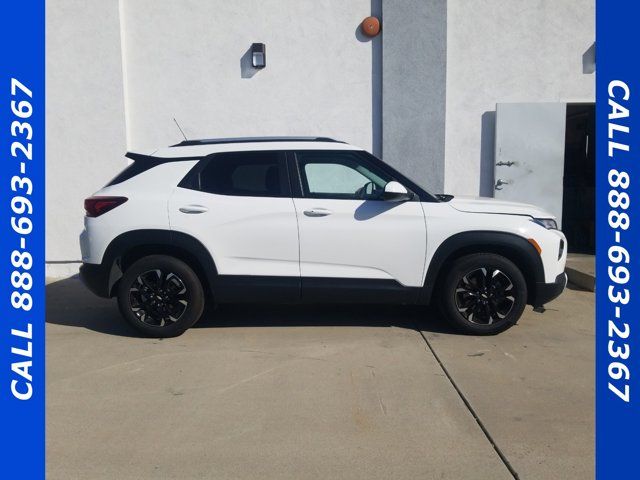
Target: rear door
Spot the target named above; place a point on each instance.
(346, 230)
(239, 206)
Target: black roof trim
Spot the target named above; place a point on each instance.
(150, 158)
(215, 141)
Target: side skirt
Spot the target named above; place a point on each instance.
(262, 289)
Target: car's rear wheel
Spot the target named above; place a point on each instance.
(483, 294)
(160, 296)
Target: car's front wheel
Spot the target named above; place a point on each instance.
(483, 294)
(160, 296)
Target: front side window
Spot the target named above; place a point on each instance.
(340, 175)
(248, 174)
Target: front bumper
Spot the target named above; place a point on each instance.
(96, 278)
(545, 292)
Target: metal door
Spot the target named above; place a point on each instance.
(529, 155)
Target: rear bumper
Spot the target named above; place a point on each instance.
(545, 292)
(96, 278)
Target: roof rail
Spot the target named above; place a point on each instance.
(140, 157)
(214, 141)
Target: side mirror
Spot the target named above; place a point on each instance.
(395, 192)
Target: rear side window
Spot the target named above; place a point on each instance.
(247, 174)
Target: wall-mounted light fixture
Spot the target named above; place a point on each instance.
(258, 55)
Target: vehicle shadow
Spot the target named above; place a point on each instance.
(69, 303)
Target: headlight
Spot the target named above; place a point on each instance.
(548, 223)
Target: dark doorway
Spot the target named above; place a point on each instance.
(578, 204)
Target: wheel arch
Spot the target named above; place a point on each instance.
(509, 245)
(133, 245)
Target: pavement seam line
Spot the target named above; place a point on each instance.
(473, 413)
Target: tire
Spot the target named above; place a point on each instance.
(483, 294)
(160, 296)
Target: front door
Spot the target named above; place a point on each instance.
(347, 231)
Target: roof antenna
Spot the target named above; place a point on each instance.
(178, 125)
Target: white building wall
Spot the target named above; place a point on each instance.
(183, 60)
(85, 129)
(507, 51)
(119, 71)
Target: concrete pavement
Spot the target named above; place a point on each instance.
(308, 392)
(533, 387)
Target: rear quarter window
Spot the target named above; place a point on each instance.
(136, 168)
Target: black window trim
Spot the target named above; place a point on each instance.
(285, 181)
(294, 174)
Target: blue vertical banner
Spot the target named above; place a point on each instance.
(22, 237)
(617, 239)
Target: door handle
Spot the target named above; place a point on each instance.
(499, 183)
(193, 209)
(317, 212)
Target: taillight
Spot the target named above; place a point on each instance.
(96, 206)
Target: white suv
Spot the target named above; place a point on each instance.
(307, 220)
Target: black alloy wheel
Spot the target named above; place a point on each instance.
(161, 296)
(485, 295)
(482, 294)
(158, 297)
